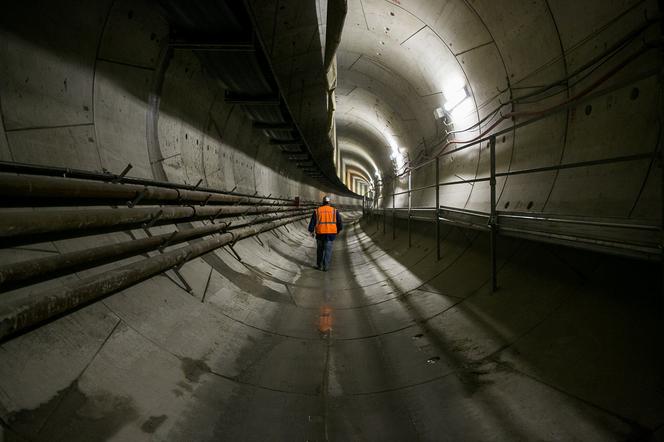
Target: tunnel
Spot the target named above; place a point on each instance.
(497, 166)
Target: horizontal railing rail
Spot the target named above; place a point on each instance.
(637, 238)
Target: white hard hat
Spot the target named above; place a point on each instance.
(326, 199)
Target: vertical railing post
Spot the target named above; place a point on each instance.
(661, 200)
(437, 211)
(384, 209)
(394, 209)
(410, 189)
(375, 209)
(492, 218)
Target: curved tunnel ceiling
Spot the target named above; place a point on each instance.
(398, 62)
(395, 69)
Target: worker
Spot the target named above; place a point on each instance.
(325, 223)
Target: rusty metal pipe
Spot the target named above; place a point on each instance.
(34, 189)
(33, 309)
(36, 169)
(22, 273)
(31, 226)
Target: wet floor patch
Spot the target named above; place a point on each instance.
(193, 369)
(73, 415)
(152, 423)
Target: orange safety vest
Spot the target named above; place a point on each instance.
(326, 220)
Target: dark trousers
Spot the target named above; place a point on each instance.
(323, 253)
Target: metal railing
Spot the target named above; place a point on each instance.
(634, 239)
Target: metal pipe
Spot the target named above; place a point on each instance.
(27, 226)
(421, 218)
(576, 241)
(35, 169)
(417, 189)
(22, 273)
(26, 312)
(621, 159)
(580, 222)
(24, 189)
(465, 224)
(516, 215)
(650, 252)
(464, 211)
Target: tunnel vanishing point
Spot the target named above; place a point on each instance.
(498, 166)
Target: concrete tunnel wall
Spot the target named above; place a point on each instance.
(419, 348)
(94, 79)
(396, 60)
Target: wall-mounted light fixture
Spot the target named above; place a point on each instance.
(455, 97)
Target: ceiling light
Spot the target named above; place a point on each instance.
(395, 152)
(462, 110)
(455, 97)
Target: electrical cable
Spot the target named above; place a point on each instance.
(540, 112)
(594, 64)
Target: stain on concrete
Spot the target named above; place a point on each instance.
(153, 422)
(194, 368)
(72, 415)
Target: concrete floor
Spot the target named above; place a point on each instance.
(388, 345)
